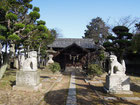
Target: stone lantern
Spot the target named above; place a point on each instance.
(51, 53)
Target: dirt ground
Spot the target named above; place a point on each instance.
(58, 94)
(18, 98)
(92, 94)
(8, 96)
(85, 95)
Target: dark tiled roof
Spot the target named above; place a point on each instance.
(65, 42)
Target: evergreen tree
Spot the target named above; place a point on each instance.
(97, 30)
(136, 40)
(120, 42)
(19, 27)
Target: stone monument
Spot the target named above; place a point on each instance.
(28, 77)
(116, 81)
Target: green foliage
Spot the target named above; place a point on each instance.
(54, 33)
(101, 56)
(41, 22)
(136, 43)
(54, 67)
(11, 16)
(12, 1)
(29, 6)
(42, 28)
(34, 15)
(26, 31)
(2, 13)
(120, 29)
(94, 69)
(120, 42)
(2, 28)
(44, 36)
(30, 26)
(2, 38)
(97, 30)
(16, 17)
(27, 1)
(19, 25)
(13, 37)
(36, 9)
(111, 37)
(21, 9)
(107, 44)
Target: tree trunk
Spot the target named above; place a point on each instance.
(4, 66)
(5, 61)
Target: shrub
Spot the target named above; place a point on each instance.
(54, 67)
(94, 69)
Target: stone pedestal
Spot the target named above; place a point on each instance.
(118, 84)
(27, 80)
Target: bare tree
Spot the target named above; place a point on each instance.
(127, 21)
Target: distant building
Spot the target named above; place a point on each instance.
(73, 51)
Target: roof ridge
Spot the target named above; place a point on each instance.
(64, 42)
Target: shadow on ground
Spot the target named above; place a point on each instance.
(44, 77)
(135, 87)
(59, 97)
(12, 83)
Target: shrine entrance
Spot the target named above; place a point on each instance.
(72, 56)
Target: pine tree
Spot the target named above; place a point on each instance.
(120, 42)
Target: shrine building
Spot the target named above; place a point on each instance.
(73, 51)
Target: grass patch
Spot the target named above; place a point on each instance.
(8, 79)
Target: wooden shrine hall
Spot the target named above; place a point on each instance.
(73, 51)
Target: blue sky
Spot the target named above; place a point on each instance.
(70, 17)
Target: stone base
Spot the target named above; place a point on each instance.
(27, 80)
(29, 89)
(118, 84)
(118, 91)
